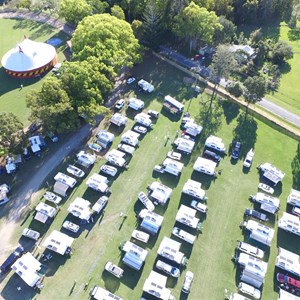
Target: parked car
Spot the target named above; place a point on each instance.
(109, 170)
(159, 169)
(168, 269)
(249, 290)
(249, 159)
(52, 136)
(266, 188)
(187, 237)
(236, 150)
(255, 214)
(249, 249)
(126, 148)
(187, 283)
(199, 206)
(52, 197)
(95, 147)
(75, 171)
(114, 269)
(130, 80)
(153, 113)
(11, 259)
(283, 278)
(212, 156)
(32, 234)
(100, 204)
(120, 104)
(140, 129)
(71, 226)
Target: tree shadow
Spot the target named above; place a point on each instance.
(294, 34)
(231, 111)
(245, 132)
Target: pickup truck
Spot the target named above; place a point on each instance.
(32, 234)
(113, 269)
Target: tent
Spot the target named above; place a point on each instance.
(29, 59)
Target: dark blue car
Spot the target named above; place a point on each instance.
(236, 151)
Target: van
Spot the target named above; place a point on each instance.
(11, 259)
(212, 156)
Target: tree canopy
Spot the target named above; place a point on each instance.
(255, 89)
(108, 39)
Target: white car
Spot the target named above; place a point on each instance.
(266, 188)
(146, 201)
(189, 238)
(100, 204)
(249, 158)
(140, 129)
(168, 269)
(120, 104)
(71, 226)
(52, 197)
(75, 171)
(130, 80)
(109, 170)
(249, 249)
(32, 234)
(187, 283)
(114, 269)
(159, 169)
(249, 290)
(126, 148)
(199, 206)
(140, 235)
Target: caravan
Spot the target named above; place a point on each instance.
(143, 119)
(118, 119)
(205, 166)
(294, 198)
(136, 104)
(271, 173)
(288, 261)
(290, 223)
(105, 138)
(267, 202)
(172, 105)
(66, 179)
(172, 166)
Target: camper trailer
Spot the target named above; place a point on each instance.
(136, 104)
(118, 119)
(205, 166)
(290, 223)
(172, 166)
(172, 105)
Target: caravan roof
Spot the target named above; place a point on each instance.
(193, 188)
(80, 208)
(135, 103)
(204, 165)
(284, 295)
(27, 268)
(118, 119)
(58, 242)
(160, 192)
(143, 119)
(130, 137)
(116, 157)
(155, 285)
(290, 223)
(172, 166)
(104, 138)
(271, 173)
(294, 198)
(99, 293)
(184, 145)
(268, 203)
(253, 264)
(46, 210)
(169, 249)
(98, 183)
(260, 232)
(288, 261)
(151, 216)
(146, 86)
(85, 159)
(186, 215)
(192, 128)
(66, 179)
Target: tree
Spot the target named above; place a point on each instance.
(255, 89)
(11, 132)
(281, 51)
(108, 39)
(74, 11)
(86, 85)
(98, 7)
(118, 12)
(196, 24)
(235, 88)
(137, 28)
(53, 107)
(152, 28)
(296, 168)
(224, 35)
(223, 65)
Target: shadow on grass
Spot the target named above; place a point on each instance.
(111, 282)
(231, 111)
(203, 178)
(246, 133)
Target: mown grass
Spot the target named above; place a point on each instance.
(210, 256)
(12, 98)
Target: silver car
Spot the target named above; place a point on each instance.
(187, 283)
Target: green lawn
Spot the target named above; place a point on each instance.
(12, 98)
(289, 91)
(210, 256)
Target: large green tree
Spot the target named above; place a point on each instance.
(11, 132)
(53, 107)
(108, 39)
(296, 168)
(196, 24)
(281, 51)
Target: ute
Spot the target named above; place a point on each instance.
(114, 269)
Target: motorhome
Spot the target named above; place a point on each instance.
(172, 166)
(118, 119)
(172, 105)
(290, 223)
(144, 119)
(205, 166)
(294, 198)
(267, 203)
(136, 104)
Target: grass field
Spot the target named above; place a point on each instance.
(12, 98)
(289, 91)
(210, 256)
